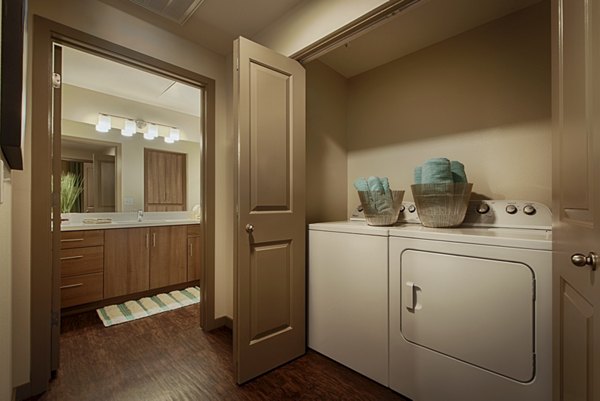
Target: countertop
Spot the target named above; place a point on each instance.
(74, 221)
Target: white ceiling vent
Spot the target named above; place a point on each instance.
(175, 10)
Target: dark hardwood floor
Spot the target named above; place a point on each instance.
(168, 357)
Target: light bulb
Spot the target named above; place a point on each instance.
(128, 128)
(174, 134)
(103, 124)
(152, 130)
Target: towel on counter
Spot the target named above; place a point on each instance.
(440, 171)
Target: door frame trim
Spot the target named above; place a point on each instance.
(45, 34)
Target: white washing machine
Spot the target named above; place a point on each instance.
(470, 307)
(348, 293)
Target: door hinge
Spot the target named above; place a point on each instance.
(54, 318)
(56, 80)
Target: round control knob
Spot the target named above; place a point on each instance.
(402, 208)
(483, 208)
(529, 210)
(511, 209)
(412, 208)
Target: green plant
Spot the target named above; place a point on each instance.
(70, 189)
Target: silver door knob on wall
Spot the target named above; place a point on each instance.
(249, 228)
(580, 260)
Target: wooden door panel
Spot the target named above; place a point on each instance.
(575, 171)
(269, 315)
(125, 261)
(270, 142)
(164, 181)
(271, 300)
(577, 342)
(194, 261)
(168, 257)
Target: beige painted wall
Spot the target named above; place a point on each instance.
(482, 97)
(131, 161)
(310, 21)
(326, 167)
(99, 19)
(5, 286)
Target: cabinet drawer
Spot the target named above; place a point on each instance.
(193, 230)
(77, 290)
(79, 239)
(81, 261)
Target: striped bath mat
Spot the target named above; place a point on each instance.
(148, 306)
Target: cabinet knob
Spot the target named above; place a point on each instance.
(580, 260)
(249, 228)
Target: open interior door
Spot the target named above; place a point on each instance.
(576, 198)
(269, 294)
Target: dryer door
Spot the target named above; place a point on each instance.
(476, 310)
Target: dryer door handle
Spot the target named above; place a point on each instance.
(410, 296)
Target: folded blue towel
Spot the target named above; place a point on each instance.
(458, 171)
(436, 171)
(380, 195)
(361, 184)
(418, 171)
(375, 184)
(385, 183)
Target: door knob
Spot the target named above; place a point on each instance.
(249, 228)
(580, 260)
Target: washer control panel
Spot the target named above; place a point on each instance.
(508, 213)
(486, 213)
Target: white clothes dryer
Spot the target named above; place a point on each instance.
(470, 307)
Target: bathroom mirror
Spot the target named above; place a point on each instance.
(147, 155)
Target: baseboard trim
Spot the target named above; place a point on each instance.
(22, 392)
(223, 321)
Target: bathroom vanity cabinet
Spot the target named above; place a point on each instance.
(82, 267)
(102, 264)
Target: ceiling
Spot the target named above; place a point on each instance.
(216, 23)
(106, 76)
(425, 24)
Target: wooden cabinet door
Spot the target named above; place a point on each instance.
(126, 267)
(168, 256)
(164, 181)
(194, 258)
(576, 198)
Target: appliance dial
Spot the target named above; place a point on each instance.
(412, 208)
(483, 208)
(511, 209)
(529, 210)
(402, 209)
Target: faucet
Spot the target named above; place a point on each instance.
(140, 215)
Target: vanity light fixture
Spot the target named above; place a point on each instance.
(104, 123)
(130, 127)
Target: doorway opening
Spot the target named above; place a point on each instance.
(108, 168)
